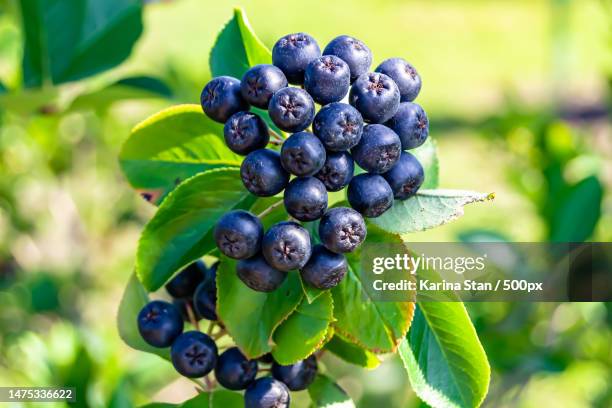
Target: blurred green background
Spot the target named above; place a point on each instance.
(519, 98)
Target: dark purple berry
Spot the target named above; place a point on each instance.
(339, 126)
(327, 79)
(234, 371)
(194, 354)
(337, 171)
(406, 177)
(258, 275)
(259, 84)
(342, 230)
(411, 125)
(296, 376)
(245, 132)
(221, 98)
(291, 109)
(370, 194)
(238, 234)
(405, 76)
(302, 154)
(352, 51)
(266, 392)
(159, 323)
(184, 283)
(306, 198)
(292, 54)
(378, 150)
(375, 96)
(286, 246)
(325, 269)
(205, 301)
(262, 173)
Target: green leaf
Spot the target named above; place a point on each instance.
(445, 361)
(325, 393)
(352, 353)
(172, 146)
(578, 212)
(427, 154)
(237, 48)
(217, 399)
(376, 326)
(251, 317)
(202, 400)
(70, 40)
(134, 298)
(181, 230)
(427, 209)
(304, 331)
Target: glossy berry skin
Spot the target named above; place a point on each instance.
(297, 376)
(262, 173)
(184, 283)
(234, 371)
(159, 323)
(291, 109)
(194, 354)
(238, 234)
(325, 269)
(352, 51)
(266, 392)
(337, 171)
(375, 96)
(406, 177)
(258, 275)
(302, 154)
(292, 54)
(205, 301)
(342, 230)
(259, 84)
(339, 126)
(286, 246)
(378, 150)
(411, 125)
(306, 198)
(370, 194)
(405, 76)
(327, 79)
(221, 98)
(245, 132)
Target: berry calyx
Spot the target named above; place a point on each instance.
(245, 132)
(193, 354)
(286, 246)
(238, 234)
(160, 323)
(342, 230)
(221, 98)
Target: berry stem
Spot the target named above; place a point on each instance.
(269, 209)
(276, 135)
(211, 327)
(192, 317)
(219, 334)
(275, 142)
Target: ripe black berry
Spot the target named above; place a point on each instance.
(302, 154)
(245, 132)
(292, 54)
(296, 376)
(234, 371)
(194, 354)
(405, 76)
(339, 126)
(378, 149)
(375, 96)
(259, 84)
(327, 79)
(159, 323)
(352, 51)
(266, 392)
(221, 98)
(184, 283)
(406, 177)
(306, 198)
(266, 358)
(291, 109)
(325, 269)
(411, 125)
(258, 275)
(342, 229)
(238, 234)
(370, 194)
(262, 173)
(337, 171)
(205, 300)
(286, 246)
